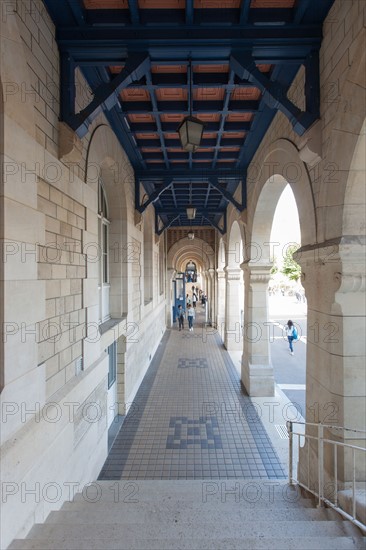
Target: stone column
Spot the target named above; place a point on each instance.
(221, 300)
(233, 337)
(170, 272)
(212, 302)
(256, 370)
(333, 276)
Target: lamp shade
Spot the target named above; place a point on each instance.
(190, 133)
(191, 212)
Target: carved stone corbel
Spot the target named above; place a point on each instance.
(70, 147)
(310, 148)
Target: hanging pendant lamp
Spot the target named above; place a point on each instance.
(191, 129)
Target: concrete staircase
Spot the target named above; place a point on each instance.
(217, 515)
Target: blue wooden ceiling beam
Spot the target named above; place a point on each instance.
(106, 94)
(141, 127)
(155, 112)
(216, 225)
(180, 107)
(300, 9)
(182, 211)
(153, 196)
(193, 38)
(134, 12)
(225, 109)
(244, 11)
(196, 174)
(78, 11)
(275, 93)
(158, 230)
(189, 12)
(228, 196)
(207, 194)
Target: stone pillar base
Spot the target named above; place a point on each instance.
(258, 380)
(231, 344)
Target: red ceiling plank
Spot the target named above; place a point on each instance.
(272, 3)
(239, 117)
(245, 94)
(106, 4)
(135, 94)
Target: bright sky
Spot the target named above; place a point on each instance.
(286, 227)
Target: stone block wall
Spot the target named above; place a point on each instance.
(326, 172)
(49, 198)
(62, 265)
(42, 88)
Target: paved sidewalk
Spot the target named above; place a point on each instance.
(190, 418)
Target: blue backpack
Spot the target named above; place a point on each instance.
(294, 333)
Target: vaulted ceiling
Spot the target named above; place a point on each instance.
(149, 61)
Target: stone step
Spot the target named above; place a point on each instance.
(191, 491)
(210, 530)
(231, 543)
(135, 513)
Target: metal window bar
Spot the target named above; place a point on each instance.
(319, 438)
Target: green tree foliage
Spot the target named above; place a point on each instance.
(274, 268)
(290, 268)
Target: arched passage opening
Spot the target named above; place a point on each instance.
(183, 252)
(257, 368)
(234, 300)
(221, 289)
(286, 299)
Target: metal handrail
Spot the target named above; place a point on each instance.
(321, 440)
(329, 426)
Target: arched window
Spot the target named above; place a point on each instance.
(103, 241)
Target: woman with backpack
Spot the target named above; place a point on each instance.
(291, 334)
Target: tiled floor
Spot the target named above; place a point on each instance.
(190, 418)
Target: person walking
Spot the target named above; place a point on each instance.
(181, 314)
(190, 316)
(291, 335)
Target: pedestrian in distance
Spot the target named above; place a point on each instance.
(181, 315)
(291, 335)
(190, 316)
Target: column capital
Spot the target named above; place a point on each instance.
(232, 273)
(220, 273)
(340, 263)
(258, 273)
(350, 282)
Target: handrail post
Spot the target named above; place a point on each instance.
(320, 463)
(290, 452)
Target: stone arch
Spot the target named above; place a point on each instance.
(355, 194)
(234, 296)
(221, 289)
(221, 258)
(105, 160)
(235, 241)
(348, 125)
(148, 256)
(197, 248)
(284, 160)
